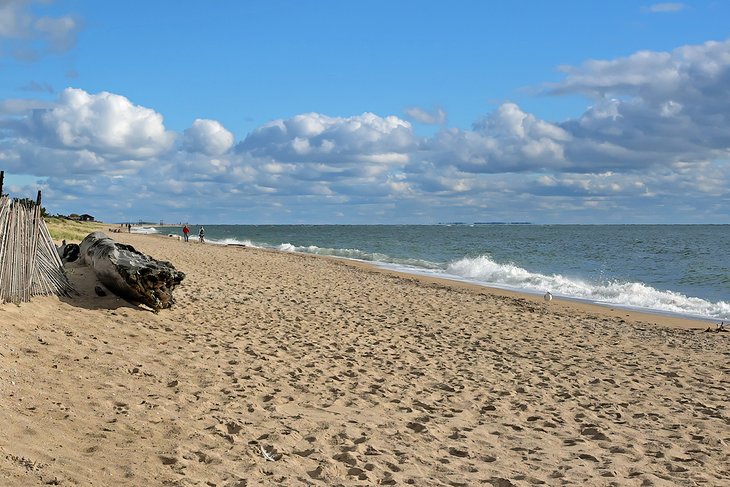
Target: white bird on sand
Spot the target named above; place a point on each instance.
(548, 297)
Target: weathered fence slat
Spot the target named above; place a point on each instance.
(29, 263)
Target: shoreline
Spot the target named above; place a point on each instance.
(615, 311)
(656, 317)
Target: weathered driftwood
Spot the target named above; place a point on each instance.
(129, 273)
(68, 252)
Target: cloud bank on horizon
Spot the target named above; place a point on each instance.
(652, 145)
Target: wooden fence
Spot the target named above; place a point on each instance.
(29, 263)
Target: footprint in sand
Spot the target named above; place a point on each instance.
(207, 459)
(121, 408)
(167, 460)
(357, 472)
(458, 452)
(346, 458)
(316, 473)
(417, 427)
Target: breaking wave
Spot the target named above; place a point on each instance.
(627, 294)
(145, 230)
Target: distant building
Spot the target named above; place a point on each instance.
(86, 218)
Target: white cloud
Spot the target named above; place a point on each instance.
(506, 140)
(314, 137)
(510, 122)
(658, 126)
(651, 108)
(670, 108)
(207, 137)
(104, 123)
(695, 71)
(437, 116)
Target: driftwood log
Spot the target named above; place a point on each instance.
(129, 273)
(68, 252)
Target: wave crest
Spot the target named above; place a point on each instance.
(144, 230)
(628, 294)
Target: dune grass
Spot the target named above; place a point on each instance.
(71, 231)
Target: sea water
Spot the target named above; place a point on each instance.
(675, 269)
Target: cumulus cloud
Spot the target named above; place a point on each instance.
(695, 71)
(27, 157)
(103, 123)
(507, 140)
(314, 137)
(437, 116)
(657, 125)
(652, 107)
(207, 137)
(28, 35)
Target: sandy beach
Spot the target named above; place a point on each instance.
(287, 369)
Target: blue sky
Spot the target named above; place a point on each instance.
(368, 112)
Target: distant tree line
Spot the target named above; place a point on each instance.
(30, 204)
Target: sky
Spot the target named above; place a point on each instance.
(377, 112)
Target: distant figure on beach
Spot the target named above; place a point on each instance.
(201, 234)
(186, 232)
(129, 227)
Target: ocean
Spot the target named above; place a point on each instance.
(672, 269)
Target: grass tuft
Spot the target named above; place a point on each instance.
(71, 231)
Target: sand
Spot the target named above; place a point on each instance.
(287, 369)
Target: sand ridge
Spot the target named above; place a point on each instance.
(288, 369)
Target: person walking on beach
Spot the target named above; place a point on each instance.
(201, 234)
(186, 232)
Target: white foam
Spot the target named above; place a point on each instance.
(627, 294)
(144, 230)
(357, 254)
(233, 241)
(287, 247)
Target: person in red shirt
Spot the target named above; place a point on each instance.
(186, 232)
